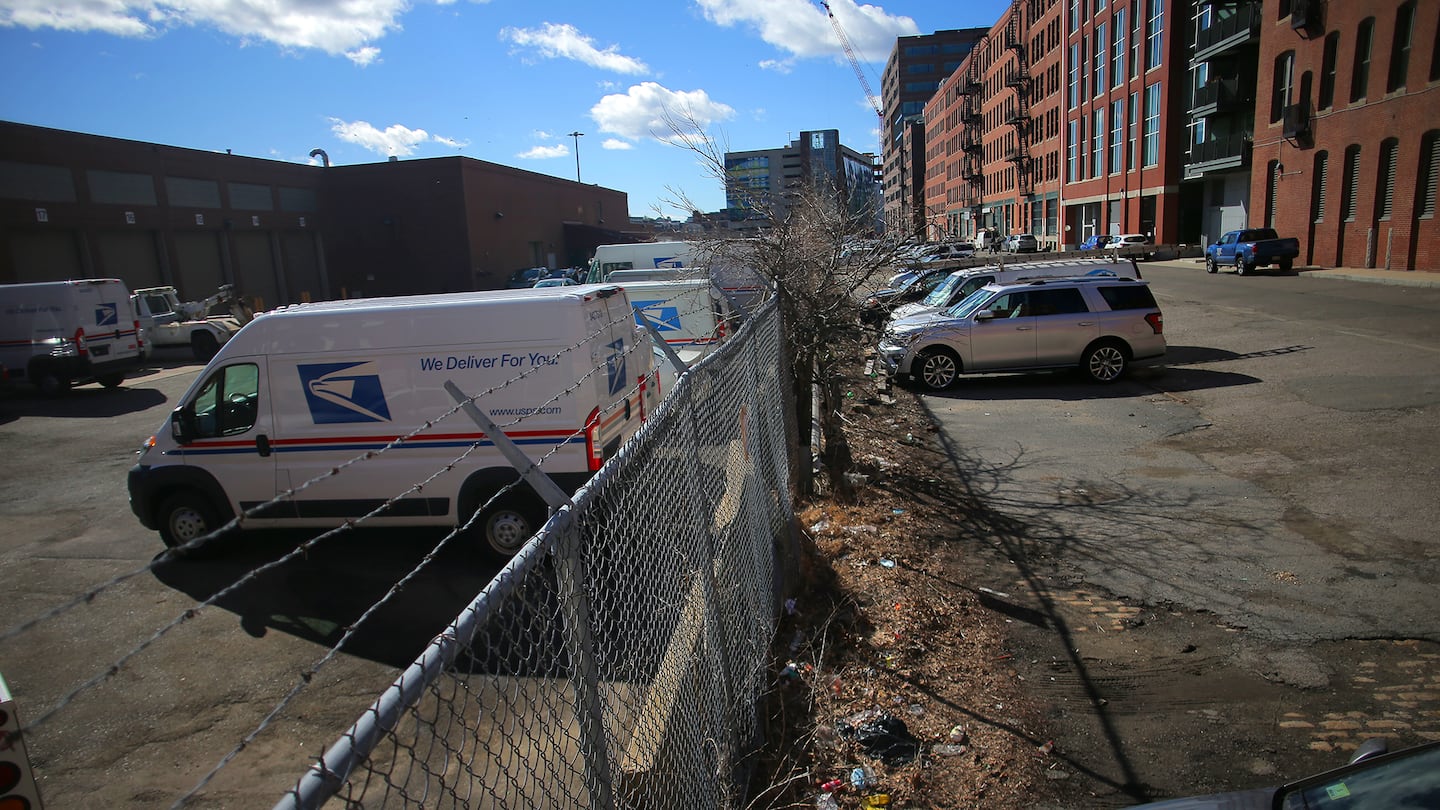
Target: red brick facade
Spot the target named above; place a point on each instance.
(1345, 149)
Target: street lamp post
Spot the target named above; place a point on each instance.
(576, 136)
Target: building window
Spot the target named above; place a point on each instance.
(1156, 35)
(1117, 54)
(1281, 85)
(1134, 131)
(1074, 95)
(1100, 60)
(1074, 16)
(1117, 135)
(1272, 190)
(1097, 143)
(1284, 9)
(1429, 173)
(1136, 39)
(1152, 125)
(1435, 54)
(1348, 201)
(1327, 70)
(1385, 183)
(1317, 191)
(1072, 145)
(1400, 47)
(1360, 72)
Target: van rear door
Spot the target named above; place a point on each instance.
(622, 353)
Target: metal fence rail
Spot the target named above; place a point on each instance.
(617, 660)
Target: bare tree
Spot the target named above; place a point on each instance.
(806, 246)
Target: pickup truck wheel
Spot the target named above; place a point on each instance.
(112, 380)
(1241, 268)
(1104, 362)
(204, 346)
(1210, 266)
(1286, 265)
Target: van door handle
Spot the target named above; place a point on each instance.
(1023, 328)
(1088, 323)
(262, 444)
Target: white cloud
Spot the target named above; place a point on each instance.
(545, 152)
(395, 139)
(564, 41)
(647, 110)
(616, 143)
(801, 27)
(337, 27)
(541, 134)
(778, 65)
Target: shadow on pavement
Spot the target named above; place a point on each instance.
(318, 595)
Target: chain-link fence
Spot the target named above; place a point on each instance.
(617, 661)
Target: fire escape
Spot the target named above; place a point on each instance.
(972, 169)
(1018, 79)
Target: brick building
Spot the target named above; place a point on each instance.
(74, 205)
(1125, 101)
(913, 73)
(1347, 132)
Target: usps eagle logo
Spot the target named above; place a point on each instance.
(344, 392)
(664, 315)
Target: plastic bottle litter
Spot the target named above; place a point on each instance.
(947, 750)
(826, 801)
(862, 778)
(833, 785)
(876, 800)
(886, 562)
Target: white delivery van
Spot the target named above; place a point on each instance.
(691, 314)
(965, 281)
(58, 333)
(638, 256)
(309, 389)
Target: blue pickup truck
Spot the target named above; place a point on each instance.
(1251, 248)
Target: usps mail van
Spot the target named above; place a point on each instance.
(691, 314)
(58, 333)
(342, 405)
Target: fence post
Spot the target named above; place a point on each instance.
(575, 607)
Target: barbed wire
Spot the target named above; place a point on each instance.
(89, 595)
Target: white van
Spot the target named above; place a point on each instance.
(963, 282)
(58, 333)
(638, 256)
(692, 315)
(357, 387)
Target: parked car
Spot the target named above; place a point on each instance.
(554, 281)
(1030, 326)
(1137, 245)
(1095, 242)
(525, 277)
(876, 307)
(959, 284)
(1021, 243)
(1251, 248)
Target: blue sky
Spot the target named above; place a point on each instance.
(498, 80)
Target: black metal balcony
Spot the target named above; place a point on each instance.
(1296, 118)
(1018, 80)
(1019, 118)
(968, 88)
(1239, 28)
(1216, 95)
(1226, 152)
(1305, 14)
(1018, 154)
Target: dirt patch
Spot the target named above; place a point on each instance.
(924, 620)
(892, 677)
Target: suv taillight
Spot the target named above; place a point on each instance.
(139, 338)
(1157, 322)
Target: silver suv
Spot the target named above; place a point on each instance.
(1098, 325)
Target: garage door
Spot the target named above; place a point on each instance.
(48, 255)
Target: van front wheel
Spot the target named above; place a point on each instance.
(186, 516)
(509, 522)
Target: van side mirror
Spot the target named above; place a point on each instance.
(182, 425)
(985, 315)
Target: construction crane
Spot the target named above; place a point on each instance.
(854, 63)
